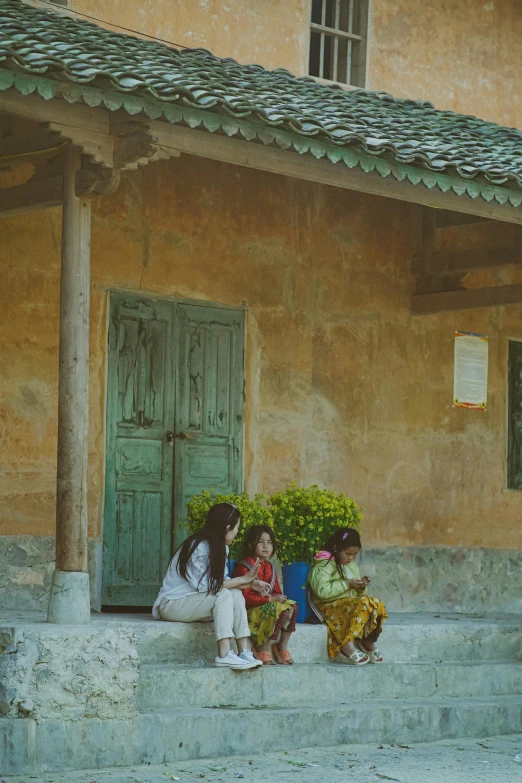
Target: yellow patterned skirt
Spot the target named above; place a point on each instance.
(352, 618)
(268, 620)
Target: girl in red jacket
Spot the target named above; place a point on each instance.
(271, 618)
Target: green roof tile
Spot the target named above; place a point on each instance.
(75, 52)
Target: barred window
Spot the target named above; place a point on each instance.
(338, 41)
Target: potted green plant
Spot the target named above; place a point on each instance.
(253, 512)
(303, 519)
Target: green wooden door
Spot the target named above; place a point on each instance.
(515, 416)
(209, 414)
(157, 379)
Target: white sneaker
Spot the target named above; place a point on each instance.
(233, 661)
(247, 655)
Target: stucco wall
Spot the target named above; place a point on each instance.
(344, 387)
(463, 55)
(273, 33)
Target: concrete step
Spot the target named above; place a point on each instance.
(31, 748)
(168, 687)
(405, 638)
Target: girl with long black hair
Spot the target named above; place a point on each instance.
(339, 593)
(197, 587)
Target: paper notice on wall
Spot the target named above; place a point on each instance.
(470, 382)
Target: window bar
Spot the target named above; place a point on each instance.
(321, 51)
(332, 31)
(336, 40)
(350, 16)
(349, 45)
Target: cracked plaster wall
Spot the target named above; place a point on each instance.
(343, 386)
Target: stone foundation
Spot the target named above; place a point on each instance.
(73, 673)
(26, 572)
(68, 672)
(407, 579)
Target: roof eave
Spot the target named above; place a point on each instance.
(251, 143)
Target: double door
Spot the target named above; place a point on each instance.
(174, 428)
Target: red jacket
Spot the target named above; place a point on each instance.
(252, 598)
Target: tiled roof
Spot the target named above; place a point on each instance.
(70, 50)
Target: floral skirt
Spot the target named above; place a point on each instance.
(268, 620)
(352, 618)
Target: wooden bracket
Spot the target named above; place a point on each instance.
(133, 143)
(95, 180)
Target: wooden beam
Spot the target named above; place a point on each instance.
(429, 239)
(443, 264)
(35, 194)
(291, 164)
(421, 264)
(90, 128)
(33, 147)
(447, 219)
(466, 299)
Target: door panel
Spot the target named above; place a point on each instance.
(140, 412)
(173, 368)
(209, 411)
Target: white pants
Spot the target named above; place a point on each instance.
(227, 608)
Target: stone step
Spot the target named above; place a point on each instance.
(31, 747)
(163, 687)
(405, 638)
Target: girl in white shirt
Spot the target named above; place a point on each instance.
(197, 587)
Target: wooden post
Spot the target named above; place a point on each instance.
(69, 600)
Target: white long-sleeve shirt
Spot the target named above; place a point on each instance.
(174, 586)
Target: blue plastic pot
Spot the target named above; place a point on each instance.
(294, 586)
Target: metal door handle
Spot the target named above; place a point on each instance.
(169, 437)
(183, 436)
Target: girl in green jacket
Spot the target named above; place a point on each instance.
(354, 620)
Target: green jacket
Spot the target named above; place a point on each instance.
(327, 585)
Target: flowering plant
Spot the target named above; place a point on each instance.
(253, 512)
(303, 519)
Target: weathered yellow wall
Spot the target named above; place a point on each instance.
(344, 387)
(463, 55)
(273, 33)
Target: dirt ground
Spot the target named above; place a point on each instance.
(454, 761)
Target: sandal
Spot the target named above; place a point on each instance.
(264, 657)
(357, 658)
(282, 656)
(374, 655)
